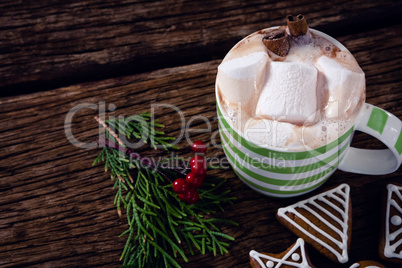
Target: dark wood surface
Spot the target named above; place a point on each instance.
(56, 209)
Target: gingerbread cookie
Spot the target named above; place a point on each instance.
(324, 221)
(293, 257)
(390, 248)
(367, 264)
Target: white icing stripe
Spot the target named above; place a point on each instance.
(332, 205)
(389, 248)
(395, 204)
(311, 224)
(323, 220)
(397, 244)
(332, 216)
(284, 261)
(314, 238)
(397, 190)
(342, 202)
(342, 190)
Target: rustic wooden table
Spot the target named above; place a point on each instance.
(56, 209)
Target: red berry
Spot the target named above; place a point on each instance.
(199, 147)
(190, 197)
(181, 186)
(197, 158)
(193, 197)
(194, 180)
(181, 196)
(199, 168)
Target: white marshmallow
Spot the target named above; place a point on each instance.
(345, 87)
(290, 93)
(241, 78)
(265, 132)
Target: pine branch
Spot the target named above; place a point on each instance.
(111, 132)
(161, 227)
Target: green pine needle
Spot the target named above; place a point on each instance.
(161, 227)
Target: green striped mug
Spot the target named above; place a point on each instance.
(286, 174)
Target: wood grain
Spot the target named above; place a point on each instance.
(56, 210)
(48, 44)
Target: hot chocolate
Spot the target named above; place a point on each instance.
(290, 88)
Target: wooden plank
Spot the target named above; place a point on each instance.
(58, 43)
(57, 210)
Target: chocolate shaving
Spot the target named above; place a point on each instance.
(278, 42)
(297, 26)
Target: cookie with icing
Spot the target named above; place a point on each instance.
(324, 221)
(367, 264)
(294, 257)
(390, 248)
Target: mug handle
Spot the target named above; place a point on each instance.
(383, 126)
